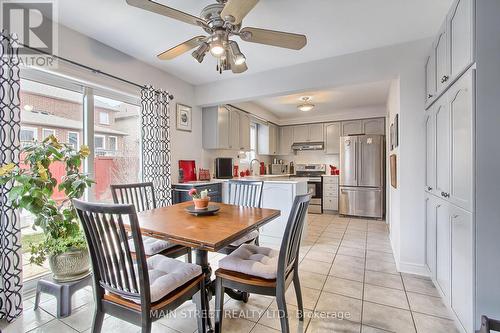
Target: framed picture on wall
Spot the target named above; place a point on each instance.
(184, 119)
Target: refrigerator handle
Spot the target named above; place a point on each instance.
(356, 159)
(360, 164)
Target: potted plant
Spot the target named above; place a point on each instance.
(64, 243)
(201, 199)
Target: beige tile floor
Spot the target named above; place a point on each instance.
(349, 284)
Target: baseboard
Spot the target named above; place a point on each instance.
(417, 269)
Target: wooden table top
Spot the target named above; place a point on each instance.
(210, 233)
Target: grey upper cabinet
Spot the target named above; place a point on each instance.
(234, 130)
(430, 151)
(461, 109)
(374, 126)
(460, 30)
(442, 60)
(315, 132)
(244, 132)
(332, 138)
(300, 133)
(216, 125)
(285, 140)
(352, 127)
(442, 148)
(267, 139)
(430, 76)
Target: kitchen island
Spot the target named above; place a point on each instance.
(278, 193)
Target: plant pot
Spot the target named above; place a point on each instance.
(201, 203)
(70, 266)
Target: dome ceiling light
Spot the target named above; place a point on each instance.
(306, 105)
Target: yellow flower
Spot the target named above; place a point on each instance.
(84, 151)
(53, 140)
(42, 171)
(6, 169)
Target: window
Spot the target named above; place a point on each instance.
(99, 142)
(73, 139)
(103, 118)
(113, 143)
(28, 135)
(250, 155)
(48, 132)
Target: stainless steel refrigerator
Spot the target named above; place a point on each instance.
(362, 168)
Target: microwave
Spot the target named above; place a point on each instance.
(223, 168)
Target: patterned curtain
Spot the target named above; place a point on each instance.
(10, 232)
(156, 159)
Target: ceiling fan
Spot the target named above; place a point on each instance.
(221, 21)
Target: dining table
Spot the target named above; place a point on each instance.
(204, 234)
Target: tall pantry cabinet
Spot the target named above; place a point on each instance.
(462, 161)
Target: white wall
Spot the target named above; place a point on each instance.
(82, 49)
(403, 61)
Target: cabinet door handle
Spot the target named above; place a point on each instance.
(454, 216)
(444, 78)
(430, 96)
(429, 188)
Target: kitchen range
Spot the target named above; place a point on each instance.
(313, 174)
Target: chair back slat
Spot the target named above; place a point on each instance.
(110, 253)
(245, 193)
(290, 245)
(141, 195)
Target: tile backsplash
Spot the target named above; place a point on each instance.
(311, 157)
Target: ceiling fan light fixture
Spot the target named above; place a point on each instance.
(199, 53)
(306, 106)
(238, 57)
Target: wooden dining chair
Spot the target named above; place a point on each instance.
(261, 270)
(247, 194)
(142, 196)
(138, 293)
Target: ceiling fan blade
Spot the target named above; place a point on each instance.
(275, 38)
(237, 9)
(181, 48)
(157, 8)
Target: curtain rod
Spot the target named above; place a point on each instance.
(93, 70)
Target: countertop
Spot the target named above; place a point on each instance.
(284, 179)
(330, 176)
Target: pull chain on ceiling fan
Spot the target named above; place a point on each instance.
(221, 21)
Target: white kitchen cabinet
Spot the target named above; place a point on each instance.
(374, 126)
(442, 147)
(352, 127)
(215, 130)
(443, 248)
(300, 133)
(430, 76)
(461, 107)
(331, 193)
(460, 30)
(285, 140)
(442, 58)
(431, 203)
(315, 132)
(332, 138)
(244, 131)
(234, 129)
(267, 139)
(430, 152)
(462, 263)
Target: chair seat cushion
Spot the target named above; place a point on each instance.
(152, 245)
(248, 237)
(252, 260)
(167, 274)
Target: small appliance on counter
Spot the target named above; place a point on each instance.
(223, 168)
(291, 168)
(187, 171)
(279, 169)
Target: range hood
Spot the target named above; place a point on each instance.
(308, 146)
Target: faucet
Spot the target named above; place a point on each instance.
(251, 165)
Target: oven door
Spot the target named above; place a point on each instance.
(315, 205)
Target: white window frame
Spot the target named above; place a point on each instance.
(33, 129)
(115, 148)
(53, 132)
(77, 138)
(107, 121)
(103, 141)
